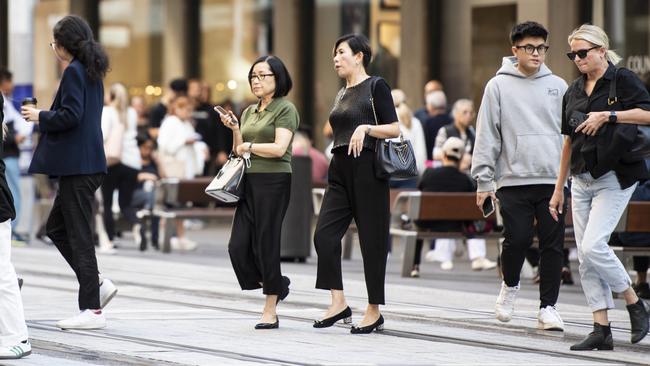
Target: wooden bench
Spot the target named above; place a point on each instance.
(635, 219)
(186, 199)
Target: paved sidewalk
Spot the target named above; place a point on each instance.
(171, 312)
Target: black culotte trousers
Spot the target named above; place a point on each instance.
(354, 192)
(254, 245)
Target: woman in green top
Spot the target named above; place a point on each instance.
(265, 134)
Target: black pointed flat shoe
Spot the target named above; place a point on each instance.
(285, 289)
(346, 315)
(275, 325)
(378, 326)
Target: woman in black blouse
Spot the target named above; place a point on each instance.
(603, 180)
(353, 190)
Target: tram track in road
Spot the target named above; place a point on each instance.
(484, 344)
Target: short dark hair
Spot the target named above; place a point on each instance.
(283, 83)
(5, 74)
(358, 43)
(179, 86)
(527, 29)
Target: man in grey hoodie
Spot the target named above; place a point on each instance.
(516, 155)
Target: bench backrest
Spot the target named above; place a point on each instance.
(636, 217)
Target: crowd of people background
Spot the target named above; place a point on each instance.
(98, 145)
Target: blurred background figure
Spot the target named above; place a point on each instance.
(176, 88)
(411, 130)
(145, 194)
(302, 146)
(463, 115)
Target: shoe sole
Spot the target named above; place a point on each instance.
(108, 299)
(16, 357)
(83, 328)
(553, 327)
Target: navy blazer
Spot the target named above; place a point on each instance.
(71, 141)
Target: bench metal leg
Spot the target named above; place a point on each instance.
(169, 231)
(409, 254)
(348, 241)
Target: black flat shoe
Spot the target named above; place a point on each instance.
(600, 339)
(378, 326)
(639, 320)
(346, 315)
(275, 325)
(285, 289)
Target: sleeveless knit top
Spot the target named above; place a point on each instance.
(353, 108)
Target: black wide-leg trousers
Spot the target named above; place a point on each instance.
(520, 207)
(354, 192)
(70, 226)
(254, 245)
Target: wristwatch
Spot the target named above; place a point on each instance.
(612, 117)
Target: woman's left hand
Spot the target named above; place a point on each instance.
(30, 113)
(593, 123)
(356, 142)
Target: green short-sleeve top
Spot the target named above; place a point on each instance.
(259, 127)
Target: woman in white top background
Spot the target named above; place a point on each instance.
(411, 129)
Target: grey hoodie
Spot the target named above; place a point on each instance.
(518, 140)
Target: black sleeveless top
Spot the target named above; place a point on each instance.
(353, 108)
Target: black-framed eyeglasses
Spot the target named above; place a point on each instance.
(530, 49)
(259, 77)
(580, 53)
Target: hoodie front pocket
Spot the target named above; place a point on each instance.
(536, 154)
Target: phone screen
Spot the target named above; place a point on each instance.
(221, 110)
(488, 207)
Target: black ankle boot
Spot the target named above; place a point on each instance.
(600, 339)
(639, 320)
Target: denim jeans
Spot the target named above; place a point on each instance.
(597, 206)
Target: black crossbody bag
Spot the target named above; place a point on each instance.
(640, 148)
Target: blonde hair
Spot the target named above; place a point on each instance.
(404, 115)
(120, 101)
(596, 36)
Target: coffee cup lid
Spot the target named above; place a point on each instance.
(29, 100)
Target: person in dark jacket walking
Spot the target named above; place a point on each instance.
(601, 187)
(71, 149)
(353, 190)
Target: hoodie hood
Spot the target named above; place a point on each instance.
(509, 67)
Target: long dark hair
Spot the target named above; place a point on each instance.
(75, 35)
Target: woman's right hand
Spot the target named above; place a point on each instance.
(556, 204)
(229, 120)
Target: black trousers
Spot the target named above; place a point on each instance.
(70, 226)
(125, 180)
(520, 206)
(254, 245)
(354, 192)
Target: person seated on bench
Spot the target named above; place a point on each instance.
(449, 178)
(144, 196)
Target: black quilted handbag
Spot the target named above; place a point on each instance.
(393, 159)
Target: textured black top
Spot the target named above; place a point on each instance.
(7, 210)
(353, 108)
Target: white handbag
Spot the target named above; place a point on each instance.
(227, 184)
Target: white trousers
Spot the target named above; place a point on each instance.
(13, 329)
(445, 248)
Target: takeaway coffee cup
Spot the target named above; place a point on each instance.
(29, 102)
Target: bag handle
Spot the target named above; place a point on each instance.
(373, 82)
(612, 98)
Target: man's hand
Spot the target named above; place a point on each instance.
(482, 196)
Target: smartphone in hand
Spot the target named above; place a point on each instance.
(488, 207)
(222, 111)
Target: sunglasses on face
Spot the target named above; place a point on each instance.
(580, 53)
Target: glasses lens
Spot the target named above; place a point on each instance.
(582, 53)
(529, 49)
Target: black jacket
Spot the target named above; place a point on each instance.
(71, 140)
(7, 210)
(602, 153)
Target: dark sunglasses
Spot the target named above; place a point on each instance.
(580, 53)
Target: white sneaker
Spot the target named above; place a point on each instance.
(505, 305)
(483, 263)
(20, 350)
(447, 265)
(188, 244)
(549, 319)
(430, 256)
(86, 319)
(107, 291)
